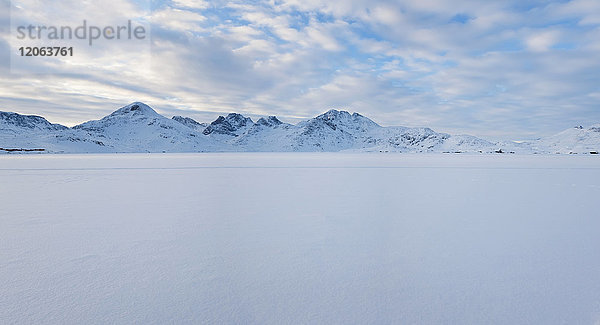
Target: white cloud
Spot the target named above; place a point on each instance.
(386, 14)
(502, 71)
(192, 4)
(177, 19)
(323, 39)
(541, 41)
(587, 10)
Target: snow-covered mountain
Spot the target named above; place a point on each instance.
(13, 122)
(339, 130)
(576, 140)
(138, 128)
(35, 133)
(190, 122)
(232, 125)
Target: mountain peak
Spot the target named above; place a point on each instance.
(334, 114)
(233, 125)
(238, 120)
(136, 112)
(346, 121)
(189, 122)
(135, 109)
(269, 121)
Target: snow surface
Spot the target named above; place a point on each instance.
(299, 238)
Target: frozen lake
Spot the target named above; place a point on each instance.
(299, 238)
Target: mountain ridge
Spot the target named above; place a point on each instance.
(137, 127)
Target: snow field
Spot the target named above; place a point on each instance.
(299, 238)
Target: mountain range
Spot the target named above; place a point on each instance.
(139, 128)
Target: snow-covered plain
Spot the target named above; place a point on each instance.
(299, 238)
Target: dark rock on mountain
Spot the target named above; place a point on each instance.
(269, 121)
(233, 124)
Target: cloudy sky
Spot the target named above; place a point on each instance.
(510, 69)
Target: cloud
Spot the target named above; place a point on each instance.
(191, 4)
(177, 19)
(541, 41)
(492, 68)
